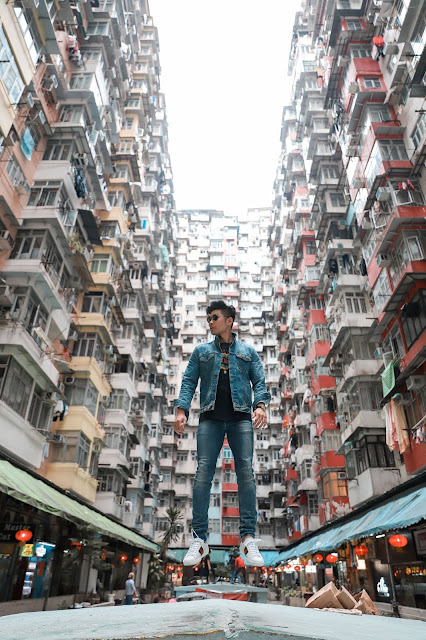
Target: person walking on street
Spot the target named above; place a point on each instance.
(130, 589)
(233, 399)
(240, 568)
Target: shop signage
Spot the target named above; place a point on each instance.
(9, 529)
(382, 588)
(27, 551)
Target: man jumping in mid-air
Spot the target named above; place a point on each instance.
(230, 372)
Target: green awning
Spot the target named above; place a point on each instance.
(395, 513)
(24, 487)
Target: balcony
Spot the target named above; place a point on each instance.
(111, 504)
(69, 475)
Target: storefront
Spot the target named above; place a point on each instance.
(55, 546)
(379, 547)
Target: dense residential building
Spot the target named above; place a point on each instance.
(348, 239)
(222, 257)
(87, 238)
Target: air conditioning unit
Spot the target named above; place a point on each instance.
(343, 60)
(415, 382)
(383, 194)
(358, 183)
(58, 439)
(109, 349)
(390, 49)
(6, 296)
(383, 260)
(139, 413)
(61, 387)
(6, 241)
(73, 336)
(353, 88)
(69, 380)
(119, 270)
(38, 331)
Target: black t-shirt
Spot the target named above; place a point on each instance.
(224, 409)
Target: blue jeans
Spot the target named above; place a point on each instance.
(128, 600)
(210, 435)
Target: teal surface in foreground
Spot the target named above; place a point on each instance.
(210, 619)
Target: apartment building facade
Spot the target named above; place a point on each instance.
(348, 243)
(87, 237)
(219, 256)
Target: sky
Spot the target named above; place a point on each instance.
(224, 76)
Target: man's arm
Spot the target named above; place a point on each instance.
(257, 377)
(187, 390)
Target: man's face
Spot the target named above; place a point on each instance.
(218, 322)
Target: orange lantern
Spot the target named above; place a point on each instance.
(23, 535)
(332, 558)
(361, 550)
(123, 558)
(398, 541)
(318, 557)
(136, 560)
(297, 568)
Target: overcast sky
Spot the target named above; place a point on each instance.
(224, 74)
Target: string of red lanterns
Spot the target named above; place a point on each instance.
(332, 558)
(361, 550)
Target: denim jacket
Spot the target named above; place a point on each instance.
(245, 367)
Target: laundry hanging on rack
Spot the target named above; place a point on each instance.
(397, 437)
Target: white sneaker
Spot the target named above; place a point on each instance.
(250, 551)
(196, 552)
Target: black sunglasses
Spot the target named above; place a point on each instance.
(213, 317)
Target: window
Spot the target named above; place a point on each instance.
(310, 248)
(101, 263)
(230, 500)
(333, 485)
(214, 526)
(128, 123)
(413, 327)
(355, 303)
(13, 170)
(88, 345)
(337, 200)
(29, 30)
(76, 449)
(116, 438)
(372, 83)
(329, 172)
(393, 150)
(98, 28)
(371, 451)
(17, 387)
(230, 525)
(82, 393)
(9, 72)
(58, 150)
(381, 290)
(360, 51)
(81, 80)
(353, 24)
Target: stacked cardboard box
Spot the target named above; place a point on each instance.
(333, 599)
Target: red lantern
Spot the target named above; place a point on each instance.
(136, 560)
(332, 558)
(288, 565)
(23, 535)
(297, 568)
(361, 550)
(304, 563)
(318, 557)
(398, 541)
(123, 558)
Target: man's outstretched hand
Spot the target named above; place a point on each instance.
(180, 421)
(259, 418)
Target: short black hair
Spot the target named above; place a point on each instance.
(227, 309)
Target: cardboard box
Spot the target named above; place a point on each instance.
(346, 599)
(365, 604)
(325, 597)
